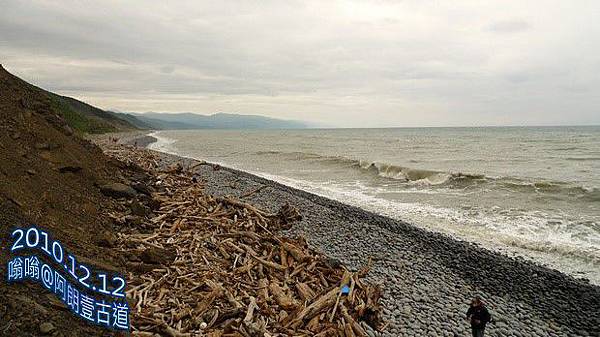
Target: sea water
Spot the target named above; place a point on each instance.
(527, 191)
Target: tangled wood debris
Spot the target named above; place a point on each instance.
(216, 266)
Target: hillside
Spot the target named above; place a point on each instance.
(86, 118)
(51, 177)
(79, 116)
(215, 121)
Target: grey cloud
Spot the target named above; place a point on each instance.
(167, 69)
(511, 26)
(354, 63)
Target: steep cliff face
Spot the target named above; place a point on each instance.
(49, 176)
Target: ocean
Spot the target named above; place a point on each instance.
(533, 192)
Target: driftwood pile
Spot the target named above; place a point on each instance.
(215, 266)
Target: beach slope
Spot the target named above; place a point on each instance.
(428, 278)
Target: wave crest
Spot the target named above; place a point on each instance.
(423, 177)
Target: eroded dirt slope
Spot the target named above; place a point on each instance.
(50, 176)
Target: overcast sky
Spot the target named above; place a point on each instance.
(339, 63)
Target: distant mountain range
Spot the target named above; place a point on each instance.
(85, 118)
(156, 120)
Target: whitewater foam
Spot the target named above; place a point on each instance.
(511, 231)
(162, 143)
(422, 177)
(497, 197)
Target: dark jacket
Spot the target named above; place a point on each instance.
(479, 313)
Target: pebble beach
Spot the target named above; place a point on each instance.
(428, 278)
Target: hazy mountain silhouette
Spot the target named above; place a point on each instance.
(156, 120)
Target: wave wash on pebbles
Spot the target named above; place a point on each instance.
(428, 278)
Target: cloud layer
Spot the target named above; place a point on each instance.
(342, 63)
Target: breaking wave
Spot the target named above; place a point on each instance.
(495, 229)
(431, 178)
(416, 176)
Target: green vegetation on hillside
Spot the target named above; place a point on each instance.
(80, 116)
(76, 120)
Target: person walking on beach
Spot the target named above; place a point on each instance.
(479, 316)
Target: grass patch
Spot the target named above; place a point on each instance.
(76, 120)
